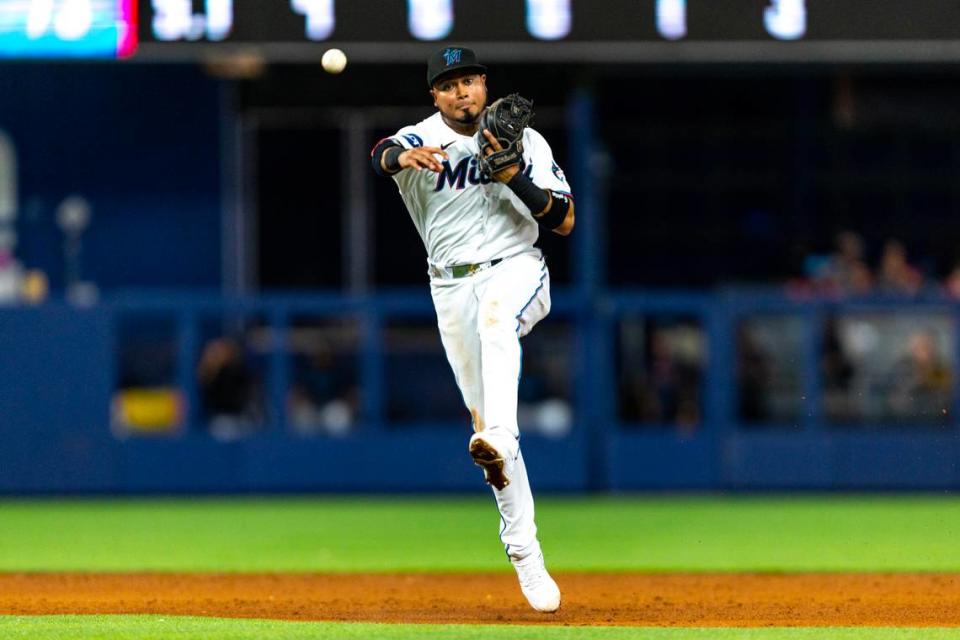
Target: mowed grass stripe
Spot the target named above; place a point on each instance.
(191, 628)
(815, 533)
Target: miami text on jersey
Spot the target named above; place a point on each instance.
(465, 172)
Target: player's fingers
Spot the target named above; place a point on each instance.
(427, 161)
(426, 154)
(434, 162)
(493, 141)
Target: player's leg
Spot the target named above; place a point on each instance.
(512, 300)
(455, 302)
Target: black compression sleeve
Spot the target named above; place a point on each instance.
(558, 211)
(389, 151)
(391, 159)
(530, 194)
(537, 200)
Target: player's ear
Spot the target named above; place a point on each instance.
(433, 94)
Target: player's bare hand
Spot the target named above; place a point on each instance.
(421, 158)
(508, 173)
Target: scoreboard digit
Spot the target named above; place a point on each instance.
(68, 28)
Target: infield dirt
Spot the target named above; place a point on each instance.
(742, 600)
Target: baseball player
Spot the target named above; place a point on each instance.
(479, 184)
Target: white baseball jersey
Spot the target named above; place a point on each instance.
(463, 217)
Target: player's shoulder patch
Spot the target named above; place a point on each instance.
(412, 139)
(558, 172)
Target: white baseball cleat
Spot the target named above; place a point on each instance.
(537, 586)
(490, 451)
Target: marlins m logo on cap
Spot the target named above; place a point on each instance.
(452, 56)
(446, 60)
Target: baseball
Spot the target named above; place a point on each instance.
(334, 61)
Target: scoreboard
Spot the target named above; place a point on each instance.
(68, 28)
(292, 21)
(561, 30)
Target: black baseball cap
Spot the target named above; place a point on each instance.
(452, 59)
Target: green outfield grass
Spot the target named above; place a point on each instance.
(831, 533)
(186, 628)
(904, 533)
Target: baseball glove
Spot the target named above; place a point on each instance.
(506, 119)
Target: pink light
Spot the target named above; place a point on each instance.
(127, 44)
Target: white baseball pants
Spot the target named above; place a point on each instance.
(481, 319)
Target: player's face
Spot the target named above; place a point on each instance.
(461, 98)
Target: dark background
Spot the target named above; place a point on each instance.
(710, 174)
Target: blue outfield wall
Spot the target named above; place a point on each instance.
(61, 370)
(141, 143)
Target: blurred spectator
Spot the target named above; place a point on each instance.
(667, 390)
(921, 381)
(323, 401)
(308, 418)
(951, 285)
(541, 408)
(11, 277)
(896, 275)
(843, 272)
(675, 383)
(227, 389)
(838, 374)
(753, 378)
